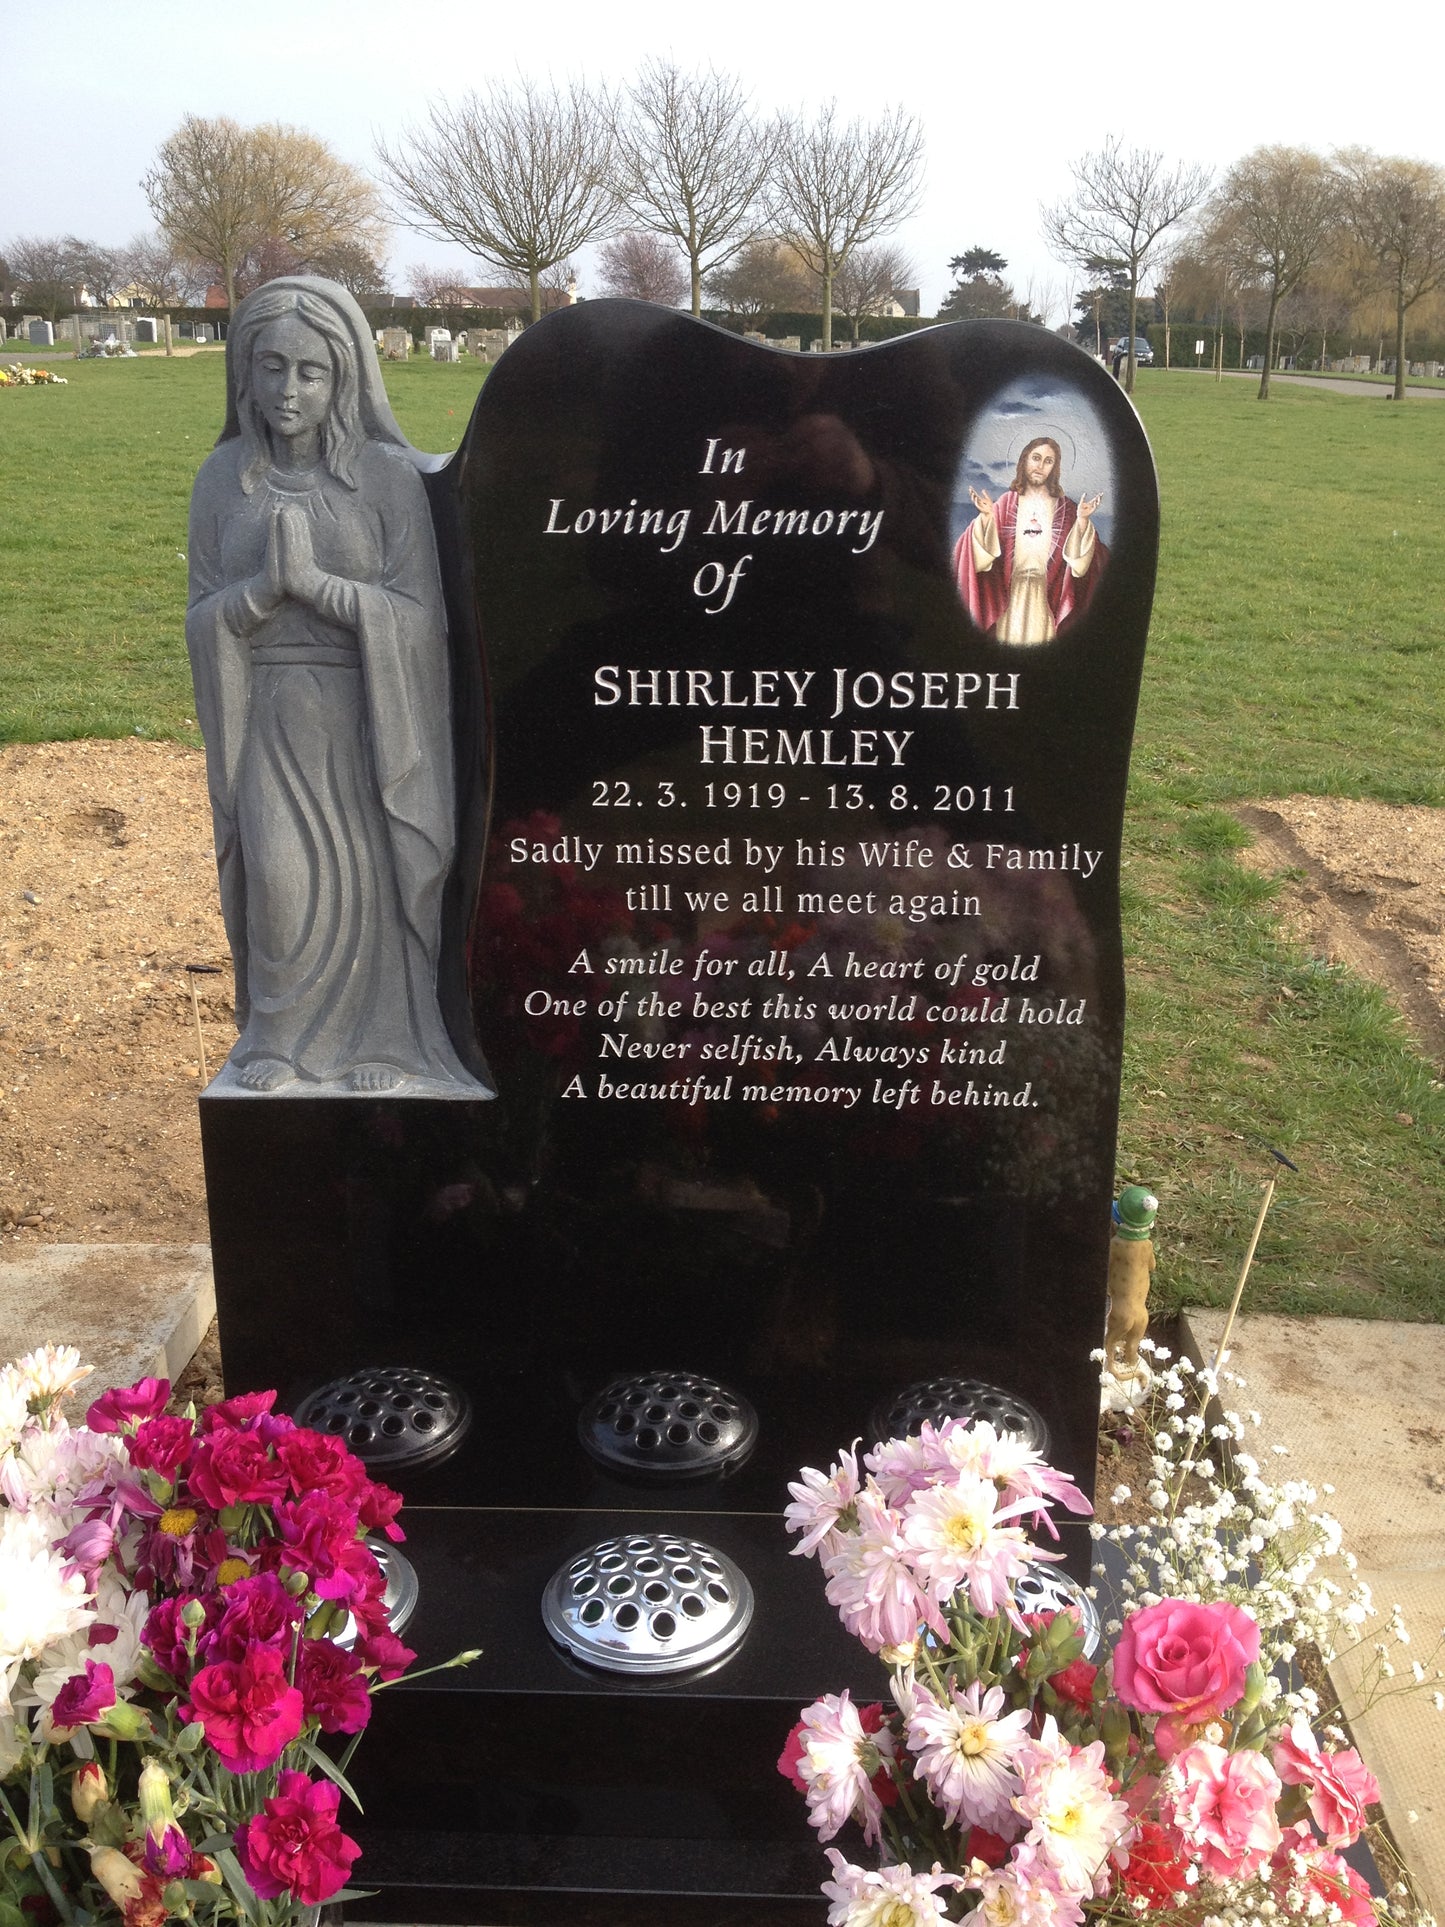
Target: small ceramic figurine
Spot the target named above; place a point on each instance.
(1131, 1266)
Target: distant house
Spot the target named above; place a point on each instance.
(902, 304)
(517, 300)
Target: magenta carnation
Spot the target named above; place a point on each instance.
(127, 1404)
(250, 1712)
(384, 1654)
(85, 1697)
(258, 1612)
(294, 1845)
(235, 1468)
(162, 1444)
(333, 1687)
(1185, 1659)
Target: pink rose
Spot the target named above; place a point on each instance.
(294, 1846)
(1185, 1659)
(143, 1400)
(1222, 1807)
(250, 1712)
(235, 1468)
(85, 1697)
(1341, 1785)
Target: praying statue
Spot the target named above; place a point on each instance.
(318, 643)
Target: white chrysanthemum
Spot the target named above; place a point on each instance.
(1074, 1822)
(889, 1897)
(14, 1407)
(52, 1370)
(966, 1747)
(41, 1599)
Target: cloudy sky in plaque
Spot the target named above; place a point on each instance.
(89, 89)
(1034, 406)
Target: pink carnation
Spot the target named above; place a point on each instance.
(294, 1845)
(333, 1687)
(250, 1712)
(126, 1405)
(162, 1444)
(1341, 1785)
(1222, 1807)
(1185, 1659)
(384, 1655)
(235, 1468)
(84, 1698)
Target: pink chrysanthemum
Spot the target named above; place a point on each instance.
(958, 1536)
(871, 1581)
(891, 1897)
(822, 1505)
(836, 1764)
(1074, 1820)
(965, 1752)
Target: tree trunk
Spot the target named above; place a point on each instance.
(230, 287)
(1399, 390)
(1324, 350)
(1167, 362)
(534, 282)
(696, 284)
(1268, 344)
(827, 309)
(1133, 319)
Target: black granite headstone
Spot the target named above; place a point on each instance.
(797, 966)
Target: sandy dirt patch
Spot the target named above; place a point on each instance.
(1370, 894)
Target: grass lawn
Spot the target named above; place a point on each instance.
(93, 534)
(1298, 645)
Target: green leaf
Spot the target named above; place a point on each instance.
(239, 1885)
(325, 1764)
(11, 1916)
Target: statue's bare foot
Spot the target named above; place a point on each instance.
(374, 1077)
(264, 1074)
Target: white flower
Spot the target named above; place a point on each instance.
(836, 1764)
(822, 1504)
(52, 1371)
(891, 1897)
(41, 1598)
(1073, 1819)
(966, 1752)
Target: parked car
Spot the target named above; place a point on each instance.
(1143, 353)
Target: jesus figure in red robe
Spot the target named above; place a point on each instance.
(1027, 563)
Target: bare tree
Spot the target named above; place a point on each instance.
(1396, 213)
(868, 277)
(518, 175)
(765, 278)
(692, 163)
(1124, 199)
(204, 191)
(245, 200)
(159, 275)
(40, 265)
(98, 270)
(838, 184)
(642, 265)
(1273, 214)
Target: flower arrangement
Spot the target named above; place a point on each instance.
(1020, 1780)
(188, 1603)
(16, 376)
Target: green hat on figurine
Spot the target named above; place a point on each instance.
(1134, 1213)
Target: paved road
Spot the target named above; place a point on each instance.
(1334, 385)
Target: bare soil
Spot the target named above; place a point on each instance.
(108, 892)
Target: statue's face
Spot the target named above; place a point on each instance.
(291, 377)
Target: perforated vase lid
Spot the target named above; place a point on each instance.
(648, 1603)
(937, 1399)
(403, 1589)
(1044, 1589)
(391, 1417)
(668, 1425)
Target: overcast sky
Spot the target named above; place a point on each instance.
(1007, 98)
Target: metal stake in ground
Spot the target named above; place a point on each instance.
(192, 972)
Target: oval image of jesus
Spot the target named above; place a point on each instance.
(1031, 512)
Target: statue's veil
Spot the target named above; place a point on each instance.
(378, 424)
